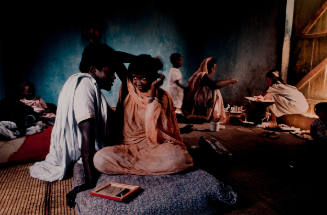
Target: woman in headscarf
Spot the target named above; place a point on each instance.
(202, 97)
(150, 143)
(287, 98)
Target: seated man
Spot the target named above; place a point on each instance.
(202, 98)
(150, 143)
(83, 116)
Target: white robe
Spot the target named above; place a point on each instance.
(66, 138)
(288, 100)
(173, 89)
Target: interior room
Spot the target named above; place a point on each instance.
(266, 167)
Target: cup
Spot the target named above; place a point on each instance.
(214, 126)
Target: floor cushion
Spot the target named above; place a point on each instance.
(192, 192)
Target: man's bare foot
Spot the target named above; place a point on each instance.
(272, 124)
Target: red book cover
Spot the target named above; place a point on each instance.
(115, 191)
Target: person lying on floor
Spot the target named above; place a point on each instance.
(82, 119)
(287, 98)
(202, 97)
(150, 142)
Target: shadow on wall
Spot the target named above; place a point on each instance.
(243, 39)
(136, 35)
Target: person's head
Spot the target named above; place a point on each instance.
(92, 32)
(99, 61)
(321, 110)
(27, 90)
(211, 66)
(273, 77)
(176, 60)
(143, 71)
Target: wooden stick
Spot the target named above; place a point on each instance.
(312, 74)
(312, 52)
(313, 35)
(315, 19)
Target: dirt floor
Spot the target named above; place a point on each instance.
(263, 170)
(271, 174)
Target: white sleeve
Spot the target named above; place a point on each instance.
(178, 75)
(84, 100)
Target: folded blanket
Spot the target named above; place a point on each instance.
(8, 130)
(194, 192)
(26, 148)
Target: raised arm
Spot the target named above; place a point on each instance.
(155, 85)
(216, 84)
(122, 57)
(179, 84)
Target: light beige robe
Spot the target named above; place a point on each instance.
(288, 100)
(151, 140)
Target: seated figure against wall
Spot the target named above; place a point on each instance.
(202, 97)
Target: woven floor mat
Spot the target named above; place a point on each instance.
(22, 194)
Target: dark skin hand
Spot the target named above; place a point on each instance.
(156, 84)
(178, 84)
(216, 84)
(88, 150)
(121, 69)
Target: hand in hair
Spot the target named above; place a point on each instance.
(156, 84)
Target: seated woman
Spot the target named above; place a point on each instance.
(150, 143)
(287, 99)
(202, 98)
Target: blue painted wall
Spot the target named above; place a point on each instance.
(246, 41)
(151, 32)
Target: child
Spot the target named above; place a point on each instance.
(310, 157)
(315, 154)
(318, 129)
(175, 88)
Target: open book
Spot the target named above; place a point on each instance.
(115, 191)
(259, 99)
